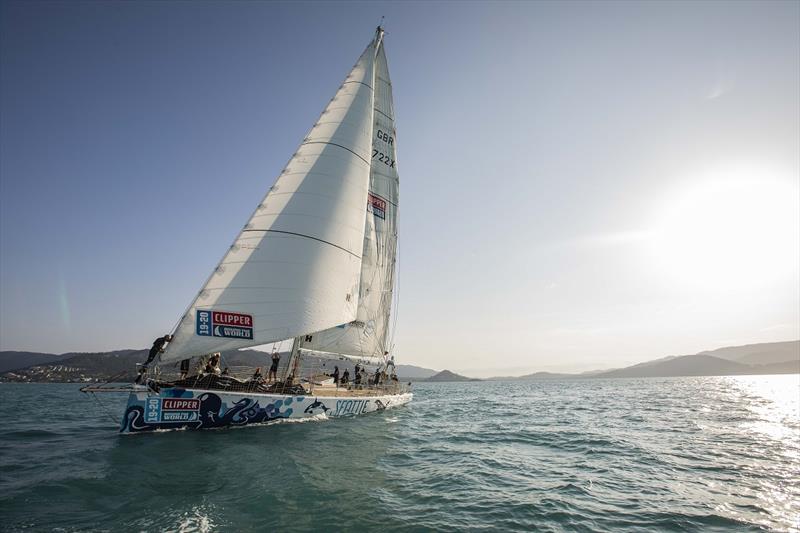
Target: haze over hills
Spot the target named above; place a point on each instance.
(759, 354)
(765, 358)
(121, 365)
(446, 375)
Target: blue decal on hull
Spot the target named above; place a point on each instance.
(207, 411)
(316, 405)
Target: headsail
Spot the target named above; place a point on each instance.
(295, 266)
(366, 336)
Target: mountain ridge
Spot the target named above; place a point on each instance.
(774, 358)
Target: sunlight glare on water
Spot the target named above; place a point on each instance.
(698, 454)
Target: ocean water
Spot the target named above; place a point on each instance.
(685, 454)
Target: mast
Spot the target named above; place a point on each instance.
(294, 361)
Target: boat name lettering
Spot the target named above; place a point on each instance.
(179, 404)
(232, 319)
(350, 407)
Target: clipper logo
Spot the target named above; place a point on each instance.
(224, 324)
(172, 410)
(377, 205)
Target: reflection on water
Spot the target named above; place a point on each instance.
(772, 416)
(708, 453)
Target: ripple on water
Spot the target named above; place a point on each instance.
(697, 454)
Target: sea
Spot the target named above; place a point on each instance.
(676, 454)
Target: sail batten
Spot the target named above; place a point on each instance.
(295, 266)
(307, 237)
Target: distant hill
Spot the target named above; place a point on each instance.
(121, 365)
(15, 360)
(764, 358)
(534, 376)
(414, 372)
(99, 366)
(446, 375)
(80, 367)
(547, 375)
(686, 365)
(759, 354)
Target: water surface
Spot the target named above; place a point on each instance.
(716, 453)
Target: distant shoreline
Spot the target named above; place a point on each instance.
(775, 358)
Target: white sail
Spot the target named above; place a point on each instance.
(366, 336)
(332, 356)
(295, 266)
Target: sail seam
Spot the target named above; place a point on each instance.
(307, 237)
(339, 145)
(355, 81)
(384, 114)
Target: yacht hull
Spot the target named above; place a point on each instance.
(178, 408)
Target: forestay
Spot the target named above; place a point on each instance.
(367, 335)
(295, 266)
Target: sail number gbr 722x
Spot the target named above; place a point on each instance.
(383, 158)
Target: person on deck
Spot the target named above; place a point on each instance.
(225, 372)
(257, 375)
(357, 378)
(158, 347)
(185, 368)
(273, 370)
(212, 367)
(335, 375)
(345, 377)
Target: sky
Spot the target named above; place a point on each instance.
(583, 185)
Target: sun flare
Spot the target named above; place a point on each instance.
(733, 229)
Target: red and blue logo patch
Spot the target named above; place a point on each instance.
(224, 324)
(377, 205)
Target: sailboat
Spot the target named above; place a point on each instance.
(314, 264)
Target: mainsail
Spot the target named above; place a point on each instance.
(366, 337)
(296, 266)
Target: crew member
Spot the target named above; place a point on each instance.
(273, 370)
(158, 347)
(212, 367)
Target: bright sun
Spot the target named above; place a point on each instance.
(734, 229)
